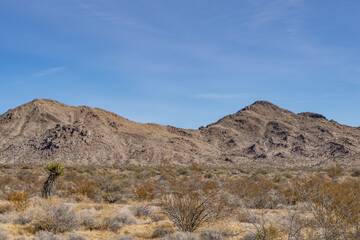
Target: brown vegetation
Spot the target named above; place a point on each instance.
(213, 203)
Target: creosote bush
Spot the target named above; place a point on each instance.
(191, 203)
(335, 206)
(255, 193)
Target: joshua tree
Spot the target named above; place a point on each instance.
(55, 169)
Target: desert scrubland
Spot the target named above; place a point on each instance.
(261, 173)
(174, 202)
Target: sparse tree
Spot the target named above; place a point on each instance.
(55, 169)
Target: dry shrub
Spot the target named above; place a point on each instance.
(267, 233)
(24, 218)
(289, 194)
(251, 236)
(142, 210)
(112, 224)
(79, 186)
(192, 203)
(31, 212)
(160, 232)
(9, 182)
(335, 171)
(44, 235)
(335, 205)
(294, 226)
(181, 236)
(88, 221)
(211, 235)
(19, 200)
(262, 230)
(3, 234)
(256, 193)
(113, 197)
(157, 217)
(116, 222)
(125, 238)
(76, 236)
(145, 192)
(5, 181)
(20, 238)
(5, 207)
(57, 218)
(115, 190)
(7, 218)
(126, 217)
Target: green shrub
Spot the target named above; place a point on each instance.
(183, 171)
(262, 171)
(356, 173)
(287, 175)
(335, 171)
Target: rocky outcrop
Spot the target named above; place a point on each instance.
(259, 135)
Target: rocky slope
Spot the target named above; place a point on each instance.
(260, 135)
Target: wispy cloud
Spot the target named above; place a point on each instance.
(267, 12)
(116, 19)
(221, 96)
(332, 95)
(47, 72)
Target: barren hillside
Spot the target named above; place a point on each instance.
(259, 135)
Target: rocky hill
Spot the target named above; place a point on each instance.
(260, 135)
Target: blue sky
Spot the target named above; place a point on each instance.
(183, 63)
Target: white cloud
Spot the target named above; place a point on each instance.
(47, 72)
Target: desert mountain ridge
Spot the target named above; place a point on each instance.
(259, 135)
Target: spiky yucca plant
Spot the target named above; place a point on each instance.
(55, 169)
